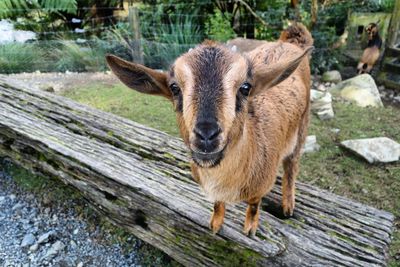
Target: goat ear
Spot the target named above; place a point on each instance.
(138, 77)
(272, 75)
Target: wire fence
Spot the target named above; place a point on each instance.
(80, 44)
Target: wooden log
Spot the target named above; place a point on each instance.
(139, 178)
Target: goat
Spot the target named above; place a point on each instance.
(371, 53)
(240, 115)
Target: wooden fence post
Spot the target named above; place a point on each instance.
(394, 27)
(133, 18)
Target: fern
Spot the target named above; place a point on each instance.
(69, 6)
(10, 8)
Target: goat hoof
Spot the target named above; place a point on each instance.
(250, 229)
(288, 213)
(288, 207)
(215, 225)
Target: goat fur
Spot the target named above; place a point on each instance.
(271, 129)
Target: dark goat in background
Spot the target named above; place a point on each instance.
(371, 54)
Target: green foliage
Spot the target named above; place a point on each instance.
(324, 58)
(218, 26)
(164, 42)
(16, 57)
(74, 57)
(12, 8)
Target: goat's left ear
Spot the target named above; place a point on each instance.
(139, 77)
(272, 75)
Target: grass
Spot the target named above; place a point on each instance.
(331, 168)
(153, 111)
(16, 57)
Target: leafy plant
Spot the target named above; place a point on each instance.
(218, 26)
(10, 8)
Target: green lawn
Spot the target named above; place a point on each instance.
(331, 168)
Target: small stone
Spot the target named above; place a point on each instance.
(12, 197)
(321, 87)
(2, 199)
(47, 87)
(311, 144)
(335, 130)
(332, 76)
(73, 244)
(80, 264)
(321, 104)
(380, 149)
(17, 206)
(46, 237)
(34, 247)
(54, 250)
(76, 231)
(28, 240)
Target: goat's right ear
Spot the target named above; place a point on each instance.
(276, 73)
(139, 77)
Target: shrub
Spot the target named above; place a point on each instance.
(218, 26)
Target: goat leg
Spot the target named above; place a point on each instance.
(252, 214)
(217, 218)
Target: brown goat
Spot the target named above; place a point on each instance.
(371, 54)
(240, 115)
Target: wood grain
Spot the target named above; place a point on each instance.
(139, 178)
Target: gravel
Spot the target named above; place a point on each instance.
(34, 235)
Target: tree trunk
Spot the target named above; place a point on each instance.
(139, 178)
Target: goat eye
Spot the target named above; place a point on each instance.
(245, 89)
(174, 89)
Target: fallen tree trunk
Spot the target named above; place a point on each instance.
(139, 178)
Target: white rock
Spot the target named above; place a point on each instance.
(321, 87)
(311, 144)
(380, 149)
(361, 90)
(45, 237)
(332, 76)
(321, 104)
(34, 248)
(28, 240)
(80, 264)
(54, 250)
(8, 34)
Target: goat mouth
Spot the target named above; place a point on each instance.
(208, 160)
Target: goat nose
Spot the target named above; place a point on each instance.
(207, 132)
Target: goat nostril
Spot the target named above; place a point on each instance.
(214, 133)
(207, 132)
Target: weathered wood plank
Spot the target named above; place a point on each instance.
(139, 178)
